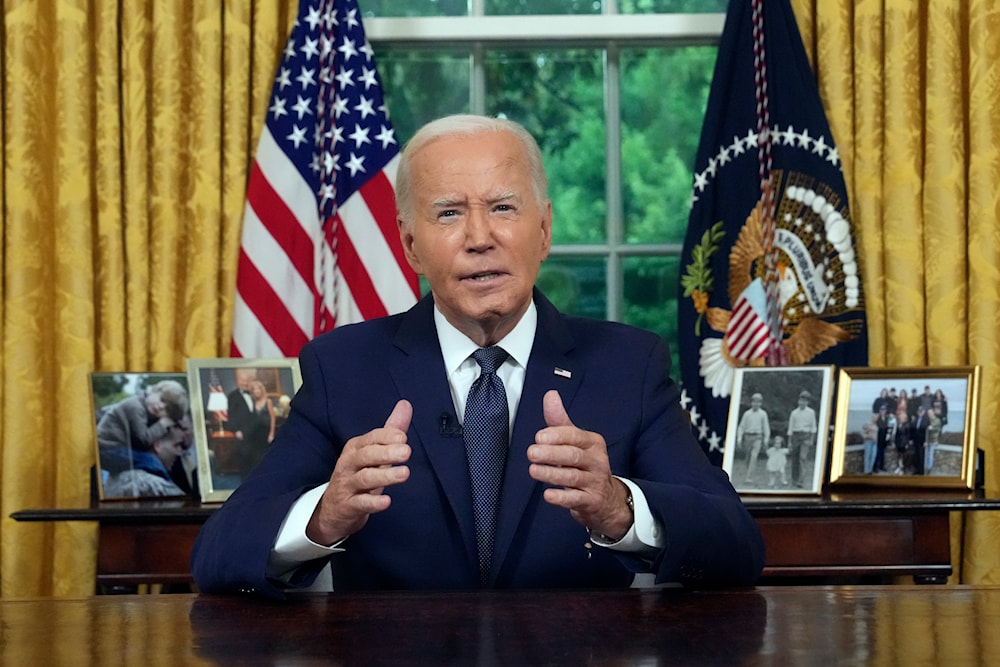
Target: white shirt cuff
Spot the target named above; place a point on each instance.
(645, 533)
(292, 548)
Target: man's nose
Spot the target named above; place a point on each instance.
(478, 230)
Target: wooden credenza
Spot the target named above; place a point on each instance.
(140, 541)
(841, 535)
(846, 535)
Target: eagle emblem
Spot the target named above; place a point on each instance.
(818, 284)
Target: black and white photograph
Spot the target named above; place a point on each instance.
(238, 406)
(144, 437)
(776, 434)
(909, 426)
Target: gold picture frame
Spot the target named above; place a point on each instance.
(232, 430)
(767, 452)
(883, 439)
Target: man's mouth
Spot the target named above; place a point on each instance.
(483, 277)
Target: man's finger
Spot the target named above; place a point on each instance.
(553, 409)
(401, 415)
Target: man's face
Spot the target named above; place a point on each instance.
(244, 378)
(170, 447)
(479, 236)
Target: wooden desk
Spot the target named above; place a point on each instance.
(845, 535)
(881, 625)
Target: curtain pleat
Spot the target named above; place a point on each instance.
(912, 92)
(126, 145)
(127, 141)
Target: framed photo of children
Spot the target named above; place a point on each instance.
(906, 427)
(144, 435)
(777, 432)
(238, 405)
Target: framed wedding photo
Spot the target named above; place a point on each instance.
(777, 432)
(238, 405)
(906, 427)
(143, 435)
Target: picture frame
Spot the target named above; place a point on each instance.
(899, 456)
(143, 437)
(784, 449)
(232, 431)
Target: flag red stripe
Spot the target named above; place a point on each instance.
(380, 198)
(747, 333)
(268, 307)
(356, 276)
(282, 224)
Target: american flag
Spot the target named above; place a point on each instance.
(319, 246)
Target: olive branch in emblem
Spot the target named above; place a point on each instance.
(698, 281)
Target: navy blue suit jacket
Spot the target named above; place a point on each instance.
(616, 384)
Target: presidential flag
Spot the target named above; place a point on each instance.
(319, 245)
(769, 272)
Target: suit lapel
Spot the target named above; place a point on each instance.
(421, 378)
(548, 368)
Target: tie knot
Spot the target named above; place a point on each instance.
(490, 358)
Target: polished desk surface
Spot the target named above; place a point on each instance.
(849, 625)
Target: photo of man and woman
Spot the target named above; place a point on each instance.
(239, 404)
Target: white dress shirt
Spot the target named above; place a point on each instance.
(292, 548)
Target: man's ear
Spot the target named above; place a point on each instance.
(547, 230)
(406, 240)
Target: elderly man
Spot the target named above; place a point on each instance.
(481, 439)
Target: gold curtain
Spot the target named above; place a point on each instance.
(912, 92)
(129, 126)
(128, 130)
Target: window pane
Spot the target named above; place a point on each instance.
(559, 97)
(664, 93)
(576, 285)
(671, 6)
(386, 8)
(421, 85)
(518, 7)
(650, 286)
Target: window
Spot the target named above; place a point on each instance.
(616, 98)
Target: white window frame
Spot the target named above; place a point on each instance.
(609, 31)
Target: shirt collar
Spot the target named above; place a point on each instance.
(456, 347)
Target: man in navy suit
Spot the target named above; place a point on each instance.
(602, 477)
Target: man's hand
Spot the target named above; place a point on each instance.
(368, 464)
(577, 461)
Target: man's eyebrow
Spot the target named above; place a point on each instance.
(447, 202)
(506, 195)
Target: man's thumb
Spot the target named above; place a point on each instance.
(552, 408)
(400, 416)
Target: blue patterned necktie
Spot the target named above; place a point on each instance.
(486, 430)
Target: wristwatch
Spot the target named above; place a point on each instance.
(601, 537)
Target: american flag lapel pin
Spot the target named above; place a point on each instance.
(562, 372)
